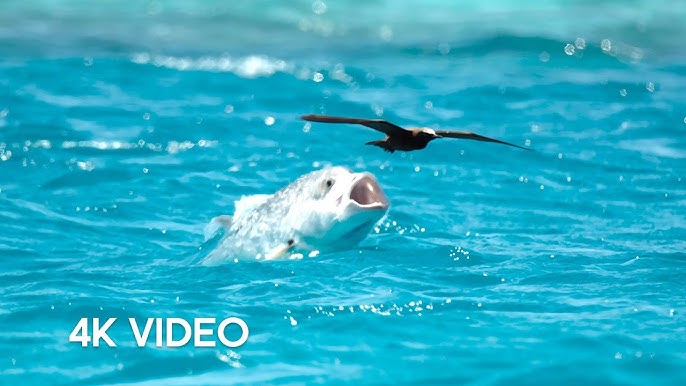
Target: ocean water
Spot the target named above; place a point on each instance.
(124, 128)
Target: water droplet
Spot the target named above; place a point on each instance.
(650, 86)
(444, 48)
(88, 166)
(569, 179)
(386, 33)
(228, 109)
(269, 121)
(417, 169)
(621, 178)
(317, 77)
(622, 92)
(306, 127)
(606, 45)
(569, 49)
(154, 8)
(146, 116)
(580, 43)
(544, 57)
(428, 105)
(145, 170)
(319, 7)
(559, 155)
(293, 321)
(618, 355)
(5, 155)
(542, 187)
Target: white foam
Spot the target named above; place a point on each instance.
(252, 66)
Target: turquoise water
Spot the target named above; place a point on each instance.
(125, 128)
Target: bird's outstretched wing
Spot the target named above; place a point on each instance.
(473, 136)
(376, 124)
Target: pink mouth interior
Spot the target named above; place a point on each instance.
(367, 191)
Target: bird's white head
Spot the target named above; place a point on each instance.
(430, 132)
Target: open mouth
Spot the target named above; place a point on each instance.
(367, 193)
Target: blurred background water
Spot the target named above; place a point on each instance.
(126, 126)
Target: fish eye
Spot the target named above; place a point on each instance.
(329, 182)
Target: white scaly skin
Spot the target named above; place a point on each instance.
(328, 209)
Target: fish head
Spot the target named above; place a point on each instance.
(342, 209)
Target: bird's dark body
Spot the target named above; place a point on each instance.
(403, 142)
(397, 138)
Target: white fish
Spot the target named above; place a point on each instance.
(324, 210)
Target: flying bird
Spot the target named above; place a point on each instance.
(397, 138)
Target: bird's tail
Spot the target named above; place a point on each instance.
(382, 144)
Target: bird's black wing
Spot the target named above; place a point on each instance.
(473, 136)
(376, 124)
